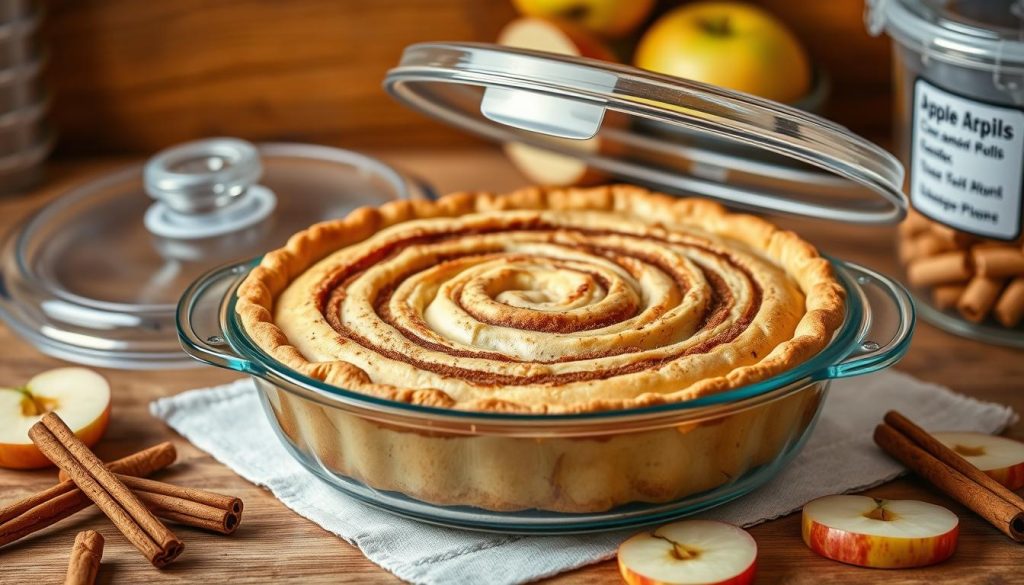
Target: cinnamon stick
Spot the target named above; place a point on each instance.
(954, 237)
(955, 476)
(998, 261)
(142, 463)
(914, 224)
(84, 563)
(56, 503)
(150, 536)
(945, 268)
(946, 296)
(1009, 310)
(190, 506)
(979, 297)
(950, 457)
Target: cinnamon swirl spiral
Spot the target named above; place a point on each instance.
(543, 301)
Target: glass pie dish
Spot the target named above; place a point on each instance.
(445, 466)
(516, 471)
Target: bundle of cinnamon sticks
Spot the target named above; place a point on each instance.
(947, 470)
(134, 505)
(977, 278)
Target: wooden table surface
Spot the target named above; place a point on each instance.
(274, 545)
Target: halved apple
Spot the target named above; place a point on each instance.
(1001, 458)
(80, 396)
(689, 552)
(883, 534)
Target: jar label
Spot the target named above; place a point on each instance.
(967, 162)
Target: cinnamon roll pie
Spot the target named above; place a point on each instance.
(544, 302)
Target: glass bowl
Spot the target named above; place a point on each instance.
(516, 473)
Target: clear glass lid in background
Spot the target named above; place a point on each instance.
(585, 109)
(95, 276)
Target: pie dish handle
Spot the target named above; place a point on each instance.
(887, 310)
(202, 313)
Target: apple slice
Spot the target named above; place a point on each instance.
(551, 169)
(80, 396)
(1001, 458)
(555, 36)
(883, 534)
(689, 552)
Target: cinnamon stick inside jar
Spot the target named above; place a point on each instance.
(914, 224)
(998, 261)
(946, 296)
(922, 246)
(944, 268)
(1009, 309)
(953, 237)
(928, 244)
(84, 564)
(979, 297)
(906, 251)
(150, 536)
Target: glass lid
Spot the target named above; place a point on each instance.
(95, 276)
(588, 109)
(986, 34)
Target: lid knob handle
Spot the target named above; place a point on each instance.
(206, 188)
(204, 175)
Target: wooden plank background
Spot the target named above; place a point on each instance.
(135, 76)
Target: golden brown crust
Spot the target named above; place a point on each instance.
(787, 338)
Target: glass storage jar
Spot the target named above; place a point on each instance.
(959, 129)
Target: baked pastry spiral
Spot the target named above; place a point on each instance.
(543, 301)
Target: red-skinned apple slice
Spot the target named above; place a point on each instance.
(1001, 458)
(689, 552)
(883, 534)
(80, 396)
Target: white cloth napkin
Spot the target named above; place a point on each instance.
(228, 423)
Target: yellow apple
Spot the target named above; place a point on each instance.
(609, 18)
(728, 44)
(80, 396)
(883, 534)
